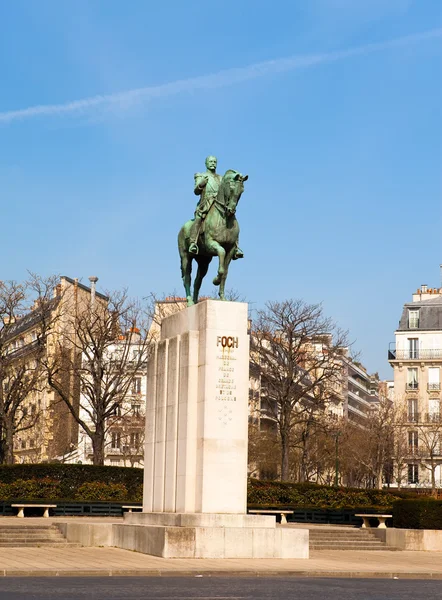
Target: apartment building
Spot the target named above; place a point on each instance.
(361, 390)
(124, 443)
(416, 357)
(54, 432)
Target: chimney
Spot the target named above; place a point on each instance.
(93, 281)
(424, 288)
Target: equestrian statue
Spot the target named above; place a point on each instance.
(214, 230)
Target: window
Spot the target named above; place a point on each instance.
(413, 415)
(413, 319)
(116, 410)
(413, 473)
(136, 385)
(412, 441)
(135, 439)
(412, 382)
(434, 410)
(23, 444)
(413, 348)
(116, 439)
(136, 410)
(434, 378)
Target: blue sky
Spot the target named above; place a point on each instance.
(332, 107)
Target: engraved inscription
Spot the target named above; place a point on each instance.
(225, 391)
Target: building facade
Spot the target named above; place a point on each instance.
(416, 358)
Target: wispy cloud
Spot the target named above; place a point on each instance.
(123, 100)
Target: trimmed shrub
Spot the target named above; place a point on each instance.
(30, 489)
(70, 477)
(99, 491)
(418, 514)
(312, 495)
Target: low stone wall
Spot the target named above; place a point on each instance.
(427, 540)
(213, 542)
(88, 534)
(192, 542)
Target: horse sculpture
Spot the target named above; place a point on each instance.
(218, 237)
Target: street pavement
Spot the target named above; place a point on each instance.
(192, 588)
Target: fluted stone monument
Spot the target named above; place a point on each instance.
(195, 470)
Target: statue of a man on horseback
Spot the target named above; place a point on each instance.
(214, 231)
(206, 187)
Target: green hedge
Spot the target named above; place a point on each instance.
(58, 481)
(310, 495)
(418, 514)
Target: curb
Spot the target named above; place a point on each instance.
(239, 573)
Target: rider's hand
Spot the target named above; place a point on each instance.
(204, 181)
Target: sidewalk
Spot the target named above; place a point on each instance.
(101, 562)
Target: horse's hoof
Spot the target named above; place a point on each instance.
(217, 280)
(190, 302)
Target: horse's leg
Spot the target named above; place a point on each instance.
(216, 248)
(203, 266)
(186, 271)
(229, 256)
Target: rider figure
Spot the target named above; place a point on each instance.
(206, 186)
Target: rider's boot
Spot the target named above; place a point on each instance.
(238, 253)
(194, 233)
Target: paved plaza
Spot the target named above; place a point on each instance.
(101, 562)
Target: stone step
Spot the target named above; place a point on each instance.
(17, 536)
(350, 547)
(27, 527)
(34, 544)
(331, 537)
(347, 543)
(30, 532)
(37, 540)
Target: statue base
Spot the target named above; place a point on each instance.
(173, 535)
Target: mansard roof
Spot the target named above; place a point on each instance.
(430, 315)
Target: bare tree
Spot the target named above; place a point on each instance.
(23, 343)
(429, 449)
(104, 346)
(400, 449)
(297, 353)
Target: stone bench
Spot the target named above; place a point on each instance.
(21, 508)
(131, 508)
(283, 513)
(381, 518)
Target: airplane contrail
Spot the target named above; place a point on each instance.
(221, 79)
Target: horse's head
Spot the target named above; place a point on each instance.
(232, 187)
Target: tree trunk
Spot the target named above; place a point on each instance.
(433, 480)
(379, 480)
(98, 447)
(285, 457)
(9, 445)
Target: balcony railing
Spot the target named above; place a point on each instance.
(423, 418)
(414, 385)
(415, 354)
(433, 387)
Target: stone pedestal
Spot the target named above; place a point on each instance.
(195, 473)
(197, 412)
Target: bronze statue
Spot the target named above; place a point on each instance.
(214, 231)
(206, 186)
